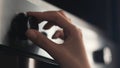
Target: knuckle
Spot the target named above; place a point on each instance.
(80, 32)
(56, 16)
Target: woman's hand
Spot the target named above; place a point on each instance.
(70, 54)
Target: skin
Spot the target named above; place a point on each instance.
(71, 53)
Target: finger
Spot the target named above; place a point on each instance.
(58, 34)
(62, 12)
(49, 25)
(42, 41)
(55, 17)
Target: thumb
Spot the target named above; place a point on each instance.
(41, 40)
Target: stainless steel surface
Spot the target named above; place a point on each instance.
(9, 8)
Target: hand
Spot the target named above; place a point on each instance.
(70, 54)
